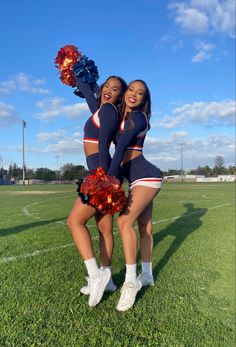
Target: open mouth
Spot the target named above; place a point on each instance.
(132, 100)
(106, 96)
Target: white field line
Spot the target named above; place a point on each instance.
(191, 213)
(39, 252)
(26, 212)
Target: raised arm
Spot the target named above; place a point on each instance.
(88, 93)
(86, 75)
(108, 126)
(125, 139)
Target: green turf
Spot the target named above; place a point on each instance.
(191, 305)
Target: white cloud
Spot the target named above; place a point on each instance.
(190, 18)
(201, 113)
(25, 83)
(7, 115)
(196, 151)
(205, 16)
(49, 136)
(66, 146)
(204, 46)
(201, 56)
(7, 87)
(53, 108)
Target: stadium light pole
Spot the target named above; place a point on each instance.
(23, 148)
(1, 166)
(57, 157)
(181, 159)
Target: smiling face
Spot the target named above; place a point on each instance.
(134, 96)
(111, 91)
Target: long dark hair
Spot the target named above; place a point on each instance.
(145, 106)
(123, 89)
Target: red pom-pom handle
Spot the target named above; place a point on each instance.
(66, 57)
(105, 192)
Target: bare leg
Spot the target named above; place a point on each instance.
(145, 230)
(106, 240)
(76, 222)
(138, 200)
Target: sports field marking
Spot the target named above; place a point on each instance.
(39, 252)
(26, 212)
(31, 192)
(190, 213)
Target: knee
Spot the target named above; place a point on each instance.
(74, 220)
(145, 228)
(104, 229)
(123, 224)
(70, 221)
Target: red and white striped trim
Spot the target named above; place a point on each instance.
(137, 148)
(147, 182)
(90, 140)
(95, 119)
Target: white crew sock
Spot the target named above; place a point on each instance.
(91, 266)
(103, 267)
(131, 275)
(147, 267)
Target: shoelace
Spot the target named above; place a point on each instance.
(125, 289)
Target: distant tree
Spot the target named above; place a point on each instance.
(219, 168)
(15, 172)
(202, 170)
(2, 172)
(10, 171)
(219, 161)
(71, 172)
(46, 174)
(29, 174)
(208, 171)
(172, 172)
(232, 170)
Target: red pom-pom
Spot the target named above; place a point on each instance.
(66, 57)
(105, 192)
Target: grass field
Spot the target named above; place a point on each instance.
(191, 305)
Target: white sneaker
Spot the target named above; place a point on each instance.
(97, 285)
(129, 291)
(111, 287)
(146, 279)
(85, 289)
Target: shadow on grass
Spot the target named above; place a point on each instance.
(181, 228)
(183, 225)
(23, 227)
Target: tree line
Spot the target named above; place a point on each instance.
(68, 172)
(218, 169)
(71, 172)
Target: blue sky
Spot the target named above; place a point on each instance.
(184, 50)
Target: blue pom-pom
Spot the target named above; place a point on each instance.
(84, 198)
(86, 70)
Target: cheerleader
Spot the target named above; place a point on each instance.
(99, 132)
(145, 183)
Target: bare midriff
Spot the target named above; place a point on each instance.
(90, 148)
(130, 154)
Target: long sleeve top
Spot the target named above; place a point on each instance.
(132, 136)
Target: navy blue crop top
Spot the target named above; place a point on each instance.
(131, 137)
(102, 126)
